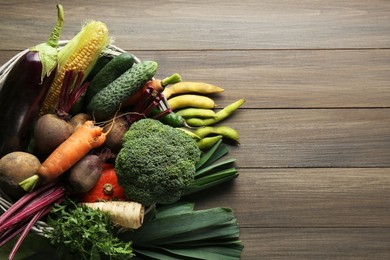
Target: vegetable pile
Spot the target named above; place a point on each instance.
(107, 155)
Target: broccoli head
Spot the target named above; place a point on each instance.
(156, 162)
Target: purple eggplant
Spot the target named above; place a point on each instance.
(24, 90)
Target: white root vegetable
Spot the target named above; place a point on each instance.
(126, 214)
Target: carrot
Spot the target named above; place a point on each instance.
(127, 214)
(84, 139)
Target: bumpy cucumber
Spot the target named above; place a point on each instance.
(107, 101)
(112, 70)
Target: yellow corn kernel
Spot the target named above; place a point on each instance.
(79, 54)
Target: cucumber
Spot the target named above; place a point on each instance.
(112, 70)
(100, 63)
(107, 101)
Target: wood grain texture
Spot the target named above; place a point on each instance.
(183, 25)
(312, 138)
(282, 79)
(314, 152)
(296, 198)
(316, 243)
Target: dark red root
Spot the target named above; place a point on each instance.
(71, 91)
(145, 105)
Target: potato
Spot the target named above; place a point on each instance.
(14, 168)
(49, 132)
(78, 120)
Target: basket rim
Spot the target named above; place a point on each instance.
(110, 50)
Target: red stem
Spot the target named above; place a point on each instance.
(69, 95)
(22, 201)
(28, 227)
(12, 232)
(55, 194)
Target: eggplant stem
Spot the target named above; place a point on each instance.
(55, 34)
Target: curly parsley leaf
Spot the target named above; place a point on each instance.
(87, 233)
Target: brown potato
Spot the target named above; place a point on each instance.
(14, 168)
(79, 119)
(49, 132)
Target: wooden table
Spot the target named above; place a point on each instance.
(314, 155)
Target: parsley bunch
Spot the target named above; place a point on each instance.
(89, 234)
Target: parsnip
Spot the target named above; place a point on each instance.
(126, 214)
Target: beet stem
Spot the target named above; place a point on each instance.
(12, 232)
(54, 194)
(27, 229)
(23, 200)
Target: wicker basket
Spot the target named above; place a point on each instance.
(5, 200)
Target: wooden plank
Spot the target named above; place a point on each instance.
(282, 79)
(287, 198)
(287, 79)
(312, 138)
(183, 25)
(316, 243)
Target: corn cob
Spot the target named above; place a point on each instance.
(79, 54)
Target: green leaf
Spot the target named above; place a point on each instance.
(155, 253)
(221, 151)
(86, 232)
(181, 223)
(174, 209)
(212, 235)
(182, 233)
(206, 156)
(213, 166)
(211, 180)
(207, 252)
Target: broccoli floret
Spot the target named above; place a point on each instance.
(156, 163)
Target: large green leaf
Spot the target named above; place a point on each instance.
(179, 232)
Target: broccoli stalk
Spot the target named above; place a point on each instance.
(157, 162)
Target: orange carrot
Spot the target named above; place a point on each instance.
(83, 140)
